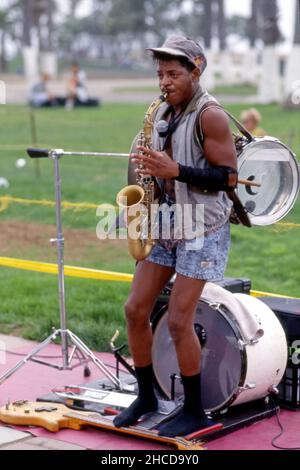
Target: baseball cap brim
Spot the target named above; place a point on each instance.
(168, 50)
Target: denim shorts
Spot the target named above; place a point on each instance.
(204, 258)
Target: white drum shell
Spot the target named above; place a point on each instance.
(266, 359)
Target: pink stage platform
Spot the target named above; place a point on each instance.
(34, 380)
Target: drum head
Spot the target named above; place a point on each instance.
(223, 361)
(274, 166)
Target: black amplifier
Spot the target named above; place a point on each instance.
(288, 313)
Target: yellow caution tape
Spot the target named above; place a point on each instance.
(5, 201)
(71, 271)
(257, 293)
(288, 224)
(86, 273)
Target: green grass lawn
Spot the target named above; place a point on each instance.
(29, 305)
(236, 90)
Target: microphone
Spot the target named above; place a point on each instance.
(162, 128)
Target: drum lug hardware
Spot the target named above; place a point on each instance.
(173, 378)
(246, 387)
(273, 389)
(253, 341)
(215, 305)
(267, 400)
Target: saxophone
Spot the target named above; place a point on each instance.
(137, 199)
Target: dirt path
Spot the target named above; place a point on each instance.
(113, 90)
(107, 90)
(24, 240)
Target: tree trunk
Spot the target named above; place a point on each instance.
(253, 23)
(3, 62)
(270, 83)
(208, 79)
(297, 23)
(269, 91)
(28, 20)
(207, 24)
(73, 7)
(221, 25)
(292, 88)
(49, 11)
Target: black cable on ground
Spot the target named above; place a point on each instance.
(281, 430)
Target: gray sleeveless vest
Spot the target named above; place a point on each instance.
(187, 150)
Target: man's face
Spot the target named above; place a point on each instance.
(176, 81)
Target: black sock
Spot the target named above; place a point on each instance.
(191, 417)
(145, 402)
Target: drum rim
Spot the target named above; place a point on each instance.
(283, 212)
(241, 346)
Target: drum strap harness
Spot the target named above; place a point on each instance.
(239, 214)
(215, 178)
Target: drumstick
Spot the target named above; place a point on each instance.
(249, 183)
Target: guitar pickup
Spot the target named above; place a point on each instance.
(47, 409)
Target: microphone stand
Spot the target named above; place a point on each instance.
(72, 347)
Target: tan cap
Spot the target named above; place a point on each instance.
(180, 46)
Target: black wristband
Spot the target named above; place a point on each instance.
(213, 179)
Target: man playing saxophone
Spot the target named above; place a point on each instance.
(194, 164)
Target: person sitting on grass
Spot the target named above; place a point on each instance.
(77, 94)
(250, 119)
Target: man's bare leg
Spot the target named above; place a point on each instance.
(148, 283)
(182, 309)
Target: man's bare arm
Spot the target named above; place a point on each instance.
(219, 147)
